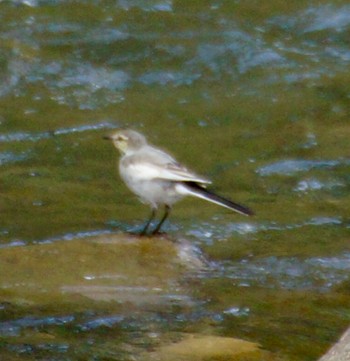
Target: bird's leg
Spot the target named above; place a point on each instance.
(165, 216)
(153, 214)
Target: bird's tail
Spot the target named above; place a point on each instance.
(194, 189)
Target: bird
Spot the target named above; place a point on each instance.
(158, 179)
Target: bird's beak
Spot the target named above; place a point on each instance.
(107, 137)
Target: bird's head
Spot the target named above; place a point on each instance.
(127, 140)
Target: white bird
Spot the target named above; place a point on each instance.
(158, 179)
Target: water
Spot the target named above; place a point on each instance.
(253, 96)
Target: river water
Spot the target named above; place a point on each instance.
(253, 95)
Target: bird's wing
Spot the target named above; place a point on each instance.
(154, 163)
(169, 172)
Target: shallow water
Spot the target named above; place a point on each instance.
(254, 96)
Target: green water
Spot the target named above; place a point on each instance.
(254, 96)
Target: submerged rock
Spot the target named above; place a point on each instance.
(196, 347)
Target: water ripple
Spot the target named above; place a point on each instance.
(34, 137)
(9, 157)
(327, 17)
(314, 184)
(313, 19)
(165, 77)
(14, 327)
(94, 78)
(292, 166)
(319, 273)
(154, 5)
(209, 232)
(107, 321)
